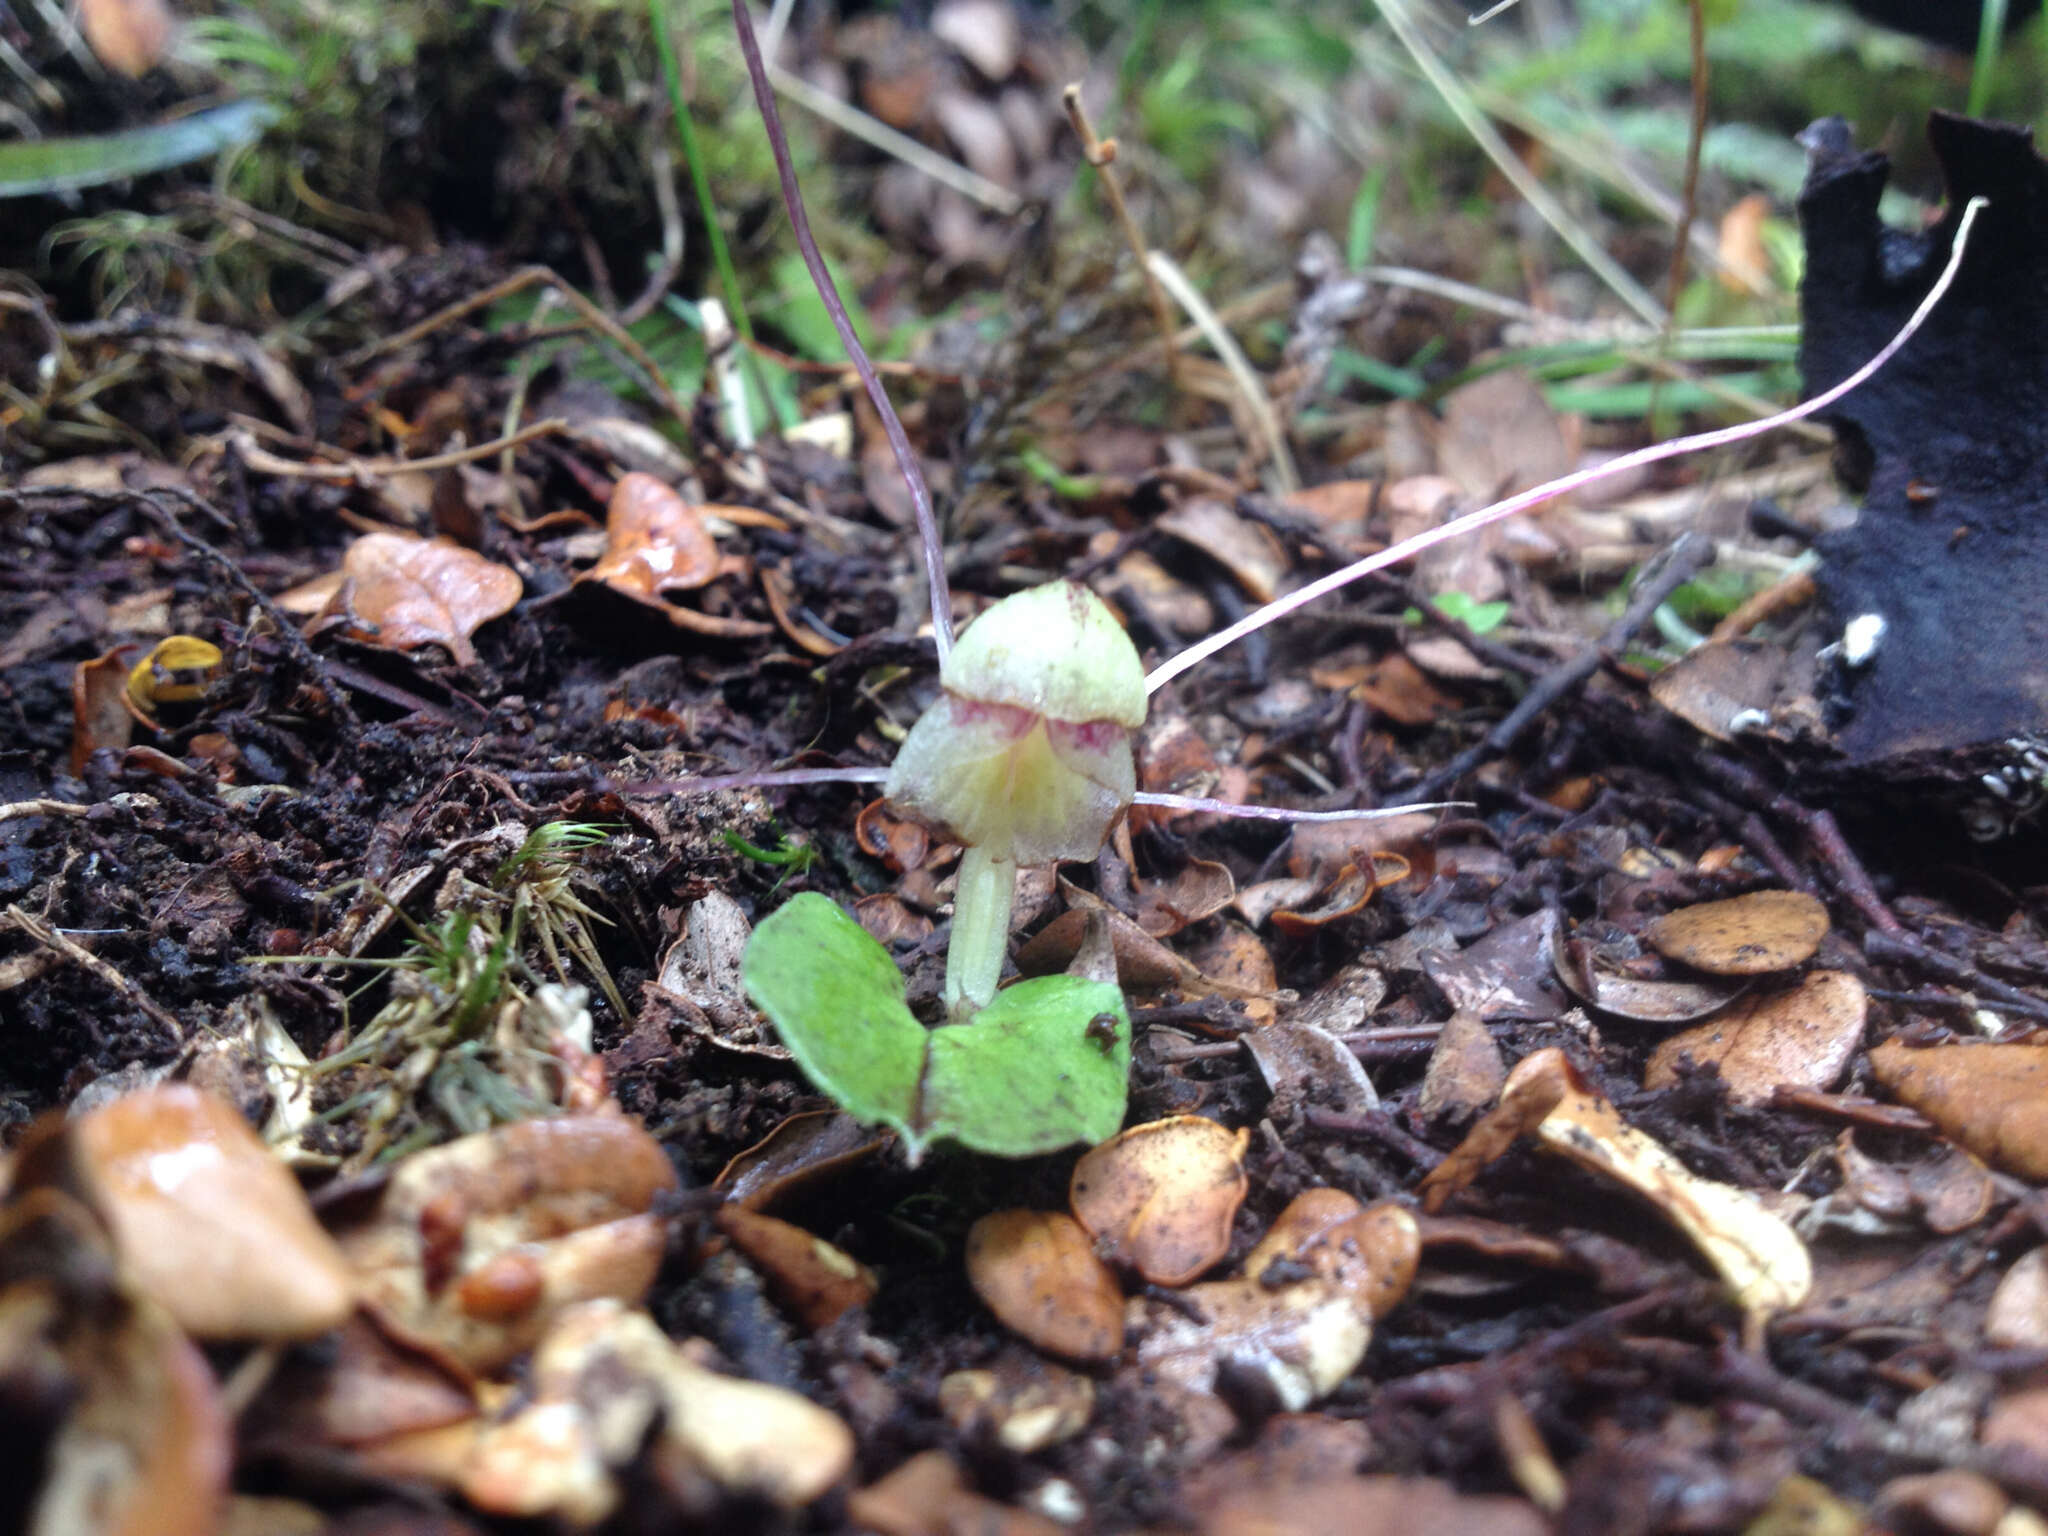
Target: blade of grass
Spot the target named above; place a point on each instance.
(1990, 34)
(700, 184)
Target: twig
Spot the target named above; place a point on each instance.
(1627, 463)
(84, 958)
(525, 278)
(1679, 562)
(1248, 386)
(828, 292)
(265, 462)
(1902, 948)
(1101, 153)
(24, 808)
(1518, 175)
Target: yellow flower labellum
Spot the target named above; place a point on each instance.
(176, 672)
(1028, 753)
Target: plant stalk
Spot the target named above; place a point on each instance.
(982, 895)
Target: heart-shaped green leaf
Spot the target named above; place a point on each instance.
(1043, 1066)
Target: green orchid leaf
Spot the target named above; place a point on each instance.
(1043, 1066)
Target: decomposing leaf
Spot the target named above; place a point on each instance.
(1763, 1262)
(606, 1385)
(1743, 936)
(799, 1151)
(1990, 1098)
(928, 1496)
(1160, 1198)
(474, 1246)
(143, 1444)
(1025, 1404)
(1802, 1037)
(1506, 975)
(899, 842)
(1038, 1273)
(1302, 1064)
(1298, 1340)
(1465, 1072)
(1248, 550)
(1201, 889)
(2017, 1317)
(99, 709)
(203, 1214)
(1633, 997)
(1143, 964)
(1725, 687)
(1345, 895)
(807, 1276)
(405, 592)
(700, 975)
(1370, 1252)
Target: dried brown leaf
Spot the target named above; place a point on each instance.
(1745, 935)
(1160, 1198)
(1990, 1098)
(406, 592)
(1039, 1274)
(1802, 1037)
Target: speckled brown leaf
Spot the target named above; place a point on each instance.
(1802, 1037)
(1038, 1273)
(1370, 1251)
(1745, 935)
(1992, 1099)
(1160, 1198)
(406, 592)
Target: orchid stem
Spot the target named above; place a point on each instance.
(982, 894)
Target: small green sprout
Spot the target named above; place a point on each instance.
(1026, 758)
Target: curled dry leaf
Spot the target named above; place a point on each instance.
(1143, 964)
(1636, 998)
(476, 1245)
(1762, 1260)
(1303, 1064)
(1745, 935)
(603, 1379)
(1038, 1273)
(406, 592)
(1024, 1403)
(1346, 894)
(99, 709)
(928, 1496)
(1248, 550)
(655, 542)
(1300, 1339)
(799, 1152)
(1992, 1099)
(1370, 1252)
(1160, 1198)
(359, 1388)
(807, 1276)
(1801, 1037)
(145, 1444)
(899, 842)
(203, 1214)
(1201, 889)
(2018, 1315)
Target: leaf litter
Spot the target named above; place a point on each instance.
(561, 1317)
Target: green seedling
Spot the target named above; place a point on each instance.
(1480, 618)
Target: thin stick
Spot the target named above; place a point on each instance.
(1248, 386)
(1239, 812)
(828, 291)
(20, 808)
(1656, 453)
(1101, 153)
(43, 934)
(1518, 175)
(268, 463)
